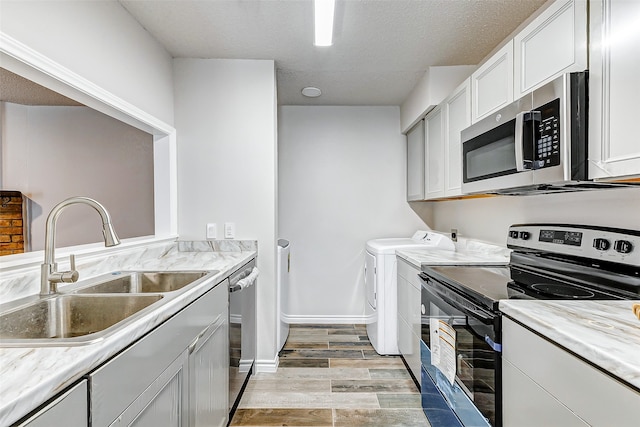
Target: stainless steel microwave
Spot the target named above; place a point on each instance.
(538, 141)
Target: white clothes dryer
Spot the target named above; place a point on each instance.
(380, 282)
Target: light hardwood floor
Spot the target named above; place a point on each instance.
(330, 375)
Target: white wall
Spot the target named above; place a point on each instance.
(101, 42)
(52, 153)
(342, 181)
(489, 219)
(227, 165)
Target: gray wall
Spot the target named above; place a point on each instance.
(52, 153)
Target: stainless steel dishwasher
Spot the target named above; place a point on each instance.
(242, 330)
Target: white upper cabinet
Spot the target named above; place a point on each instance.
(434, 154)
(553, 43)
(457, 109)
(492, 83)
(614, 55)
(415, 162)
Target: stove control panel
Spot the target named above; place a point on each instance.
(599, 243)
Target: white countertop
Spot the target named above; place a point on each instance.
(468, 252)
(605, 333)
(31, 376)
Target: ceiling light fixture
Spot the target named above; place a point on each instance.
(311, 92)
(323, 14)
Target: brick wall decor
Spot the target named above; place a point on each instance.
(13, 222)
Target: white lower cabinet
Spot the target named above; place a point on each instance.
(68, 409)
(209, 377)
(409, 325)
(177, 375)
(544, 385)
(614, 151)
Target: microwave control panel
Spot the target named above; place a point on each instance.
(546, 140)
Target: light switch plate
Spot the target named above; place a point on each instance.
(229, 230)
(212, 231)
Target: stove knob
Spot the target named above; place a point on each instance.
(513, 234)
(623, 246)
(601, 244)
(524, 235)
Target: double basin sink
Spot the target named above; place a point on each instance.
(93, 309)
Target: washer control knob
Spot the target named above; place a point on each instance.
(525, 235)
(601, 244)
(623, 246)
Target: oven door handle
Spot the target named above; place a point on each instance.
(494, 345)
(478, 313)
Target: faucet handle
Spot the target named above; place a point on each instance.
(70, 276)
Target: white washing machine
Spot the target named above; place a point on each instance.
(380, 282)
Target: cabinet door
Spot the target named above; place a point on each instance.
(614, 86)
(415, 162)
(552, 44)
(523, 399)
(69, 409)
(492, 83)
(434, 154)
(457, 117)
(163, 403)
(209, 376)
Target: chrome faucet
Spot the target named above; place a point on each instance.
(50, 277)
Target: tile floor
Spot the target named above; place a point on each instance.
(330, 375)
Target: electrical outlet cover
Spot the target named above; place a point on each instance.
(212, 231)
(229, 230)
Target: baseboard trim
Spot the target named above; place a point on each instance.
(268, 366)
(325, 320)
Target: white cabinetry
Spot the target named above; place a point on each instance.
(492, 83)
(177, 375)
(434, 154)
(409, 315)
(614, 150)
(68, 409)
(208, 376)
(553, 43)
(546, 385)
(457, 116)
(415, 162)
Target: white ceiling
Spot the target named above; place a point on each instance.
(381, 47)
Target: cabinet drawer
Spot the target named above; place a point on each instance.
(69, 409)
(579, 386)
(121, 380)
(409, 272)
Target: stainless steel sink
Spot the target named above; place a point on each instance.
(70, 319)
(145, 282)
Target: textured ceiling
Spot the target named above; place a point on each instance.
(381, 47)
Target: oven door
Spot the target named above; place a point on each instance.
(475, 396)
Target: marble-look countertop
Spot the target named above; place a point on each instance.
(31, 376)
(605, 333)
(467, 252)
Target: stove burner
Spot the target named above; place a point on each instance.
(563, 291)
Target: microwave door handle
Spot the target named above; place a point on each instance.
(519, 141)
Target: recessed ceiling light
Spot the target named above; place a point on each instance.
(311, 92)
